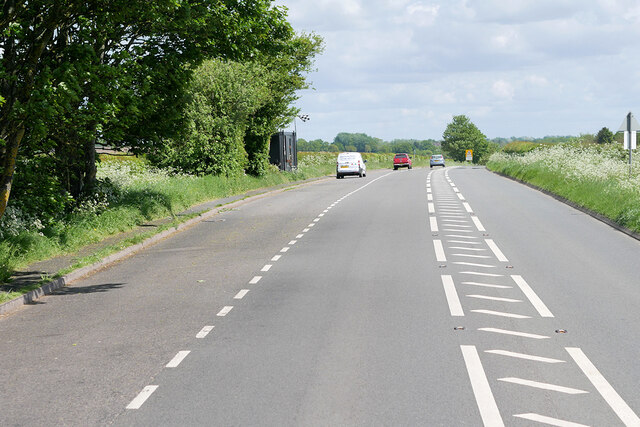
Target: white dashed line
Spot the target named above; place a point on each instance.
(460, 196)
(316, 220)
(487, 285)
(452, 296)
(525, 356)
(267, 267)
(241, 294)
(285, 249)
(548, 420)
(299, 236)
(225, 311)
(177, 359)
(142, 397)
(440, 256)
(619, 406)
(494, 298)
(276, 257)
(321, 215)
(472, 256)
(306, 230)
(514, 333)
(477, 273)
(467, 207)
(496, 251)
(430, 197)
(311, 225)
(255, 280)
(433, 222)
(532, 296)
(478, 224)
(432, 208)
(543, 386)
(293, 242)
(502, 314)
(471, 264)
(204, 332)
(481, 389)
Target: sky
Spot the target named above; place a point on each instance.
(397, 69)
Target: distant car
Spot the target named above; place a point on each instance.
(350, 164)
(402, 160)
(436, 160)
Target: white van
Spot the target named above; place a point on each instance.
(350, 164)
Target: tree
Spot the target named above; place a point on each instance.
(75, 72)
(461, 135)
(604, 136)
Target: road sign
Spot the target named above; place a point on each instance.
(469, 155)
(629, 126)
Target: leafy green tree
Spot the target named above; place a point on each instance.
(223, 96)
(604, 136)
(461, 135)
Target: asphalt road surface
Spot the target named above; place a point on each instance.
(416, 297)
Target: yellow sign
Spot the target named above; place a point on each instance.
(469, 155)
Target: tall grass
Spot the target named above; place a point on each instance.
(595, 177)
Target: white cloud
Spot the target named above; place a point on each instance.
(402, 68)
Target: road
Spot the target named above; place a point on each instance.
(413, 297)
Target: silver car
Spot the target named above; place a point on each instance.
(436, 160)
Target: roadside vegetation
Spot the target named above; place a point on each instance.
(132, 192)
(594, 176)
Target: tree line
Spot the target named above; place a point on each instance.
(198, 85)
(364, 143)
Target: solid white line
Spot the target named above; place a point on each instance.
(432, 208)
(514, 333)
(502, 314)
(266, 267)
(434, 223)
(543, 386)
(525, 356)
(467, 207)
(531, 295)
(276, 257)
(481, 389)
(255, 280)
(476, 273)
(225, 310)
(241, 294)
(177, 359)
(486, 285)
(475, 265)
(292, 242)
(440, 256)
(204, 332)
(299, 236)
(478, 224)
(452, 296)
(496, 250)
(285, 249)
(548, 420)
(142, 397)
(494, 298)
(622, 410)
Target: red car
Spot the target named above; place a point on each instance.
(401, 160)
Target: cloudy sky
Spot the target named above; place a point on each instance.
(403, 68)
